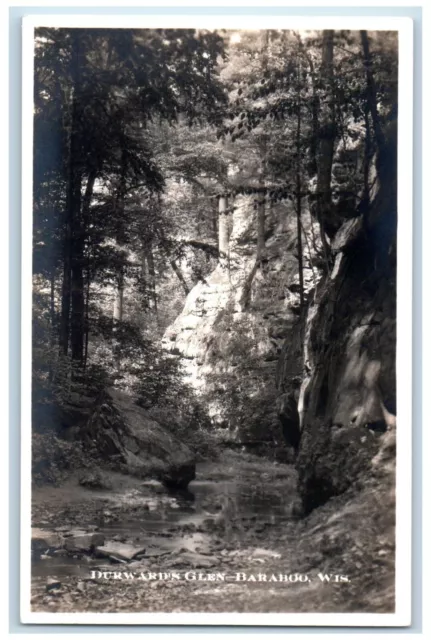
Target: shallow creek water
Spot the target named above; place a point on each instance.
(218, 507)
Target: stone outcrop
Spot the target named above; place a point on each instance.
(121, 432)
(330, 380)
(233, 326)
(347, 400)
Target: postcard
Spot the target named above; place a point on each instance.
(217, 309)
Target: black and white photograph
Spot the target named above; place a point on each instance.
(217, 355)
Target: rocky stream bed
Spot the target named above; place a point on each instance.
(134, 546)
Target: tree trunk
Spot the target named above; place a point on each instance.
(75, 277)
(223, 226)
(152, 278)
(119, 208)
(372, 101)
(245, 299)
(53, 323)
(214, 221)
(63, 338)
(71, 292)
(87, 316)
(86, 203)
(119, 299)
(367, 162)
(299, 202)
(327, 134)
(52, 302)
(72, 213)
(180, 276)
(78, 323)
(263, 148)
(312, 170)
(260, 248)
(78, 303)
(117, 314)
(246, 291)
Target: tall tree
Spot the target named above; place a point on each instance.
(327, 135)
(109, 85)
(299, 195)
(223, 245)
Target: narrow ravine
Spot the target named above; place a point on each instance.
(214, 393)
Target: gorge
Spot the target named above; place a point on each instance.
(214, 319)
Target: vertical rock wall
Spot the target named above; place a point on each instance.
(234, 325)
(347, 401)
(331, 382)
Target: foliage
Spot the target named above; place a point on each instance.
(244, 396)
(104, 101)
(137, 134)
(52, 457)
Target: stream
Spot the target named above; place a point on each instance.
(217, 507)
(229, 543)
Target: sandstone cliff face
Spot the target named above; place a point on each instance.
(333, 390)
(347, 400)
(350, 383)
(233, 326)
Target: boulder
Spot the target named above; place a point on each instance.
(119, 551)
(125, 434)
(42, 540)
(94, 480)
(52, 584)
(84, 542)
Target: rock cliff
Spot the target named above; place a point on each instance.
(328, 377)
(232, 329)
(347, 400)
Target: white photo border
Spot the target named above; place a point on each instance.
(403, 580)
